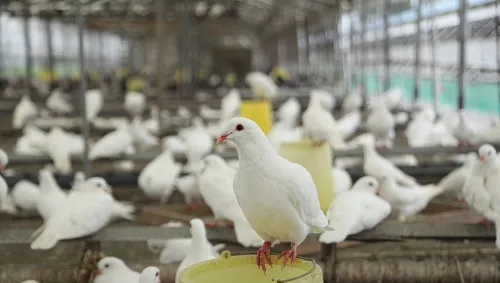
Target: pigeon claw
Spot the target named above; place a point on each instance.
(288, 256)
(318, 143)
(484, 222)
(264, 256)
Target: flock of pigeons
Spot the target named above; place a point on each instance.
(266, 197)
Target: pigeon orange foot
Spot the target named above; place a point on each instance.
(484, 222)
(318, 143)
(264, 256)
(288, 255)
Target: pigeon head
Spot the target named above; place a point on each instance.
(367, 184)
(4, 160)
(238, 129)
(110, 264)
(150, 274)
(197, 228)
(97, 184)
(487, 152)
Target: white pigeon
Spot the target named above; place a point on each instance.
(407, 201)
(24, 111)
(135, 103)
(24, 147)
(355, 210)
(113, 144)
(342, 181)
(87, 209)
(418, 130)
(200, 249)
(262, 85)
(142, 137)
(58, 150)
(278, 197)
(175, 250)
(378, 166)
(36, 137)
(392, 98)
(157, 179)
(94, 101)
(320, 125)
(282, 132)
(216, 187)
(198, 144)
(353, 101)
(57, 102)
(6, 203)
(208, 113)
(463, 130)
(289, 111)
(51, 196)
(455, 180)
(201, 8)
(188, 186)
(349, 123)
(114, 270)
(150, 274)
(327, 98)
(175, 144)
(25, 195)
(491, 173)
(230, 104)
(380, 123)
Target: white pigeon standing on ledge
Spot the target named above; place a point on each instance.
(51, 196)
(463, 131)
(6, 203)
(262, 85)
(114, 270)
(381, 123)
(355, 210)
(87, 209)
(278, 197)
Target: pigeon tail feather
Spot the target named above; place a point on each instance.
(45, 241)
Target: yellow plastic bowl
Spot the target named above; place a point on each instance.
(259, 111)
(243, 269)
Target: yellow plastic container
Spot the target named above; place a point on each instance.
(243, 269)
(135, 84)
(318, 161)
(260, 111)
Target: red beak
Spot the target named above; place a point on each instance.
(481, 158)
(222, 138)
(378, 190)
(2, 168)
(98, 272)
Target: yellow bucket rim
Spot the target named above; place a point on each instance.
(225, 255)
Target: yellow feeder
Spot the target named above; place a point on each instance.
(47, 77)
(243, 269)
(318, 161)
(135, 84)
(260, 111)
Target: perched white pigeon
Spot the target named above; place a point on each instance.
(57, 102)
(342, 181)
(25, 195)
(327, 99)
(455, 180)
(87, 209)
(380, 123)
(24, 111)
(94, 101)
(230, 104)
(349, 123)
(157, 179)
(353, 101)
(282, 132)
(320, 125)
(378, 166)
(463, 131)
(150, 274)
(289, 112)
(188, 186)
(355, 210)
(135, 103)
(175, 250)
(142, 137)
(6, 203)
(407, 201)
(175, 144)
(58, 150)
(113, 144)
(114, 270)
(392, 98)
(216, 187)
(51, 196)
(200, 249)
(198, 144)
(262, 85)
(278, 197)
(491, 173)
(24, 147)
(36, 137)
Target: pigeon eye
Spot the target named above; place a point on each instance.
(370, 184)
(156, 274)
(239, 127)
(106, 265)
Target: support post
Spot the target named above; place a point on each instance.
(435, 85)
(299, 29)
(27, 45)
(1, 44)
(462, 44)
(50, 49)
(83, 89)
(497, 45)
(308, 49)
(362, 47)
(387, 59)
(100, 48)
(160, 60)
(416, 63)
